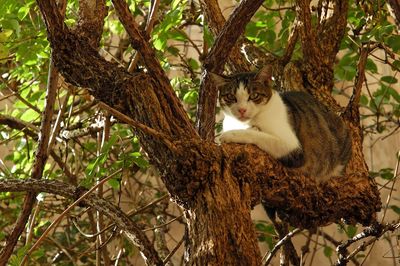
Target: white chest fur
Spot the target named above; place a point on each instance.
(268, 127)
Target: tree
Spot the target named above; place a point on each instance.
(113, 115)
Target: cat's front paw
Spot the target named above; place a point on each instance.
(237, 136)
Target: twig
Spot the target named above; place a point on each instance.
(131, 230)
(149, 28)
(164, 224)
(305, 249)
(124, 118)
(376, 230)
(61, 216)
(396, 171)
(268, 257)
(38, 166)
(57, 123)
(16, 94)
(167, 258)
(352, 110)
(63, 249)
(141, 44)
(294, 35)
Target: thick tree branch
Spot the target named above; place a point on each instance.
(394, 8)
(91, 20)
(332, 29)
(320, 43)
(131, 230)
(215, 62)
(307, 32)
(298, 199)
(352, 112)
(140, 42)
(216, 22)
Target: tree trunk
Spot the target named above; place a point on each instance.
(216, 185)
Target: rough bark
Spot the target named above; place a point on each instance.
(215, 62)
(131, 230)
(217, 185)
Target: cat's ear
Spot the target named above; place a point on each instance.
(264, 75)
(218, 80)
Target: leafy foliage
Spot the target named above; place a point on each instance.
(90, 144)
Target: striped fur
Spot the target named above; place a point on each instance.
(291, 126)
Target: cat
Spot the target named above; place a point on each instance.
(291, 126)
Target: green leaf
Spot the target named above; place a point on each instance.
(160, 41)
(107, 146)
(264, 227)
(191, 97)
(328, 251)
(193, 64)
(389, 79)
(396, 209)
(386, 173)
(393, 41)
(30, 115)
(23, 11)
(141, 162)
(17, 258)
(371, 66)
(394, 93)
(115, 183)
(364, 100)
(351, 231)
(92, 166)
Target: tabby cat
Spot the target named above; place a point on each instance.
(291, 126)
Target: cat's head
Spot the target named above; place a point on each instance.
(243, 95)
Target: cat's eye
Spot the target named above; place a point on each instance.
(230, 97)
(254, 96)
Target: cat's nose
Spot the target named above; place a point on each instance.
(242, 111)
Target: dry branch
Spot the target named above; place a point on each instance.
(131, 230)
(41, 156)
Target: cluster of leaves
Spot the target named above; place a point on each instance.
(81, 156)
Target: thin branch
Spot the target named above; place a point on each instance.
(149, 28)
(376, 230)
(62, 215)
(291, 45)
(307, 31)
(145, 129)
(352, 112)
(164, 224)
(131, 230)
(16, 94)
(140, 42)
(41, 156)
(15, 123)
(167, 258)
(229, 34)
(268, 257)
(57, 123)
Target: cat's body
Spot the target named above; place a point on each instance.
(291, 126)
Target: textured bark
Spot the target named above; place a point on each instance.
(215, 62)
(394, 8)
(217, 185)
(131, 230)
(41, 156)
